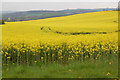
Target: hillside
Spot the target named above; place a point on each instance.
(105, 21)
(41, 14)
(75, 46)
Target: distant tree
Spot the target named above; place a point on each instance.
(2, 22)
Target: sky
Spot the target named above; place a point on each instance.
(26, 5)
(60, 0)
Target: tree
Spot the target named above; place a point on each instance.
(2, 22)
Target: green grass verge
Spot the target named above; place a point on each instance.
(102, 68)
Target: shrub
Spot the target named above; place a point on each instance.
(2, 22)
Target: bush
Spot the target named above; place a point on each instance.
(2, 22)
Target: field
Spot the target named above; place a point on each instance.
(63, 41)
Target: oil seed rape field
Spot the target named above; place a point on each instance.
(80, 37)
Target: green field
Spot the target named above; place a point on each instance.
(75, 46)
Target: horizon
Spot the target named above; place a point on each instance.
(55, 6)
(57, 10)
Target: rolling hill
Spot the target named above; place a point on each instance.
(41, 14)
(104, 21)
(74, 46)
(95, 25)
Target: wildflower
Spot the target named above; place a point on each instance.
(108, 73)
(41, 57)
(110, 62)
(8, 57)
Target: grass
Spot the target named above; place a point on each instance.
(101, 68)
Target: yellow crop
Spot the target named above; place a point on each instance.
(75, 37)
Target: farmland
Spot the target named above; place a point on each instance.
(82, 38)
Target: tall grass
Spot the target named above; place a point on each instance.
(102, 68)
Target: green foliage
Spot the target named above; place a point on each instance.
(102, 68)
(2, 22)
